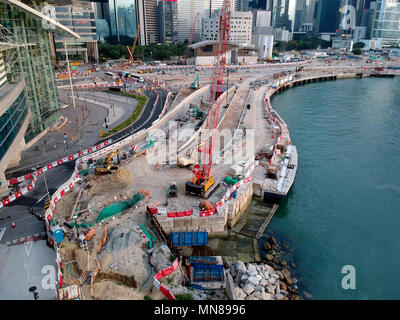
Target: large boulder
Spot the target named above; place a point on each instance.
(279, 296)
(254, 281)
(240, 295)
(248, 289)
(269, 269)
(270, 289)
(267, 296)
(263, 282)
(240, 267)
(251, 267)
(275, 275)
(272, 240)
(160, 258)
(251, 273)
(256, 296)
(267, 246)
(269, 257)
(244, 277)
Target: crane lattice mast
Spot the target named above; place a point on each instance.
(203, 170)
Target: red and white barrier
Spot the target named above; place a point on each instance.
(207, 67)
(164, 273)
(47, 167)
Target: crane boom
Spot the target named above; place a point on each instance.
(201, 179)
(192, 34)
(134, 44)
(216, 85)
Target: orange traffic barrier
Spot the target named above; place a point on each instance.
(105, 236)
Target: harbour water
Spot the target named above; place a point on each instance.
(344, 207)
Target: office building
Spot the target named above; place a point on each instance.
(327, 16)
(386, 23)
(147, 18)
(188, 19)
(189, 10)
(262, 18)
(168, 22)
(259, 4)
(240, 30)
(116, 21)
(243, 5)
(28, 91)
(79, 16)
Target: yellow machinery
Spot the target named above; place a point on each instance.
(184, 162)
(108, 165)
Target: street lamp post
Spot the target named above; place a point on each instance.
(35, 293)
(69, 73)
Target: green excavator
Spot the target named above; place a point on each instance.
(195, 84)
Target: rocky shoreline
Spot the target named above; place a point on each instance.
(270, 280)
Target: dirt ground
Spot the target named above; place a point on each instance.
(109, 183)
(65, 204)
(109, 290)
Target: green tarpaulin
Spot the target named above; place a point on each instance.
(118, 207)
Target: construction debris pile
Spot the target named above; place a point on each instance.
(125, 252)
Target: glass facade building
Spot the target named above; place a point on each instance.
(80, 18)
(34, 65)
(116, 21)
(11, 122)
(386, 25)
(168, 18)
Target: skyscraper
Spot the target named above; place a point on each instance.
(386, 24)
(147, 18)
(168, 21)
(243, 5)
(327, 16)
(79, 16)
(116, 21)
(283, 13)
(187, 12)
(259, 4)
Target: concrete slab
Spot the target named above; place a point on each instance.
(21, 268)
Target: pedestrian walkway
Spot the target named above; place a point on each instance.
(81, 131)
(26, 265)
(119, 107)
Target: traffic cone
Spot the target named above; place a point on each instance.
(13, 225)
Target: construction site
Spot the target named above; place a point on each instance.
(164, 214)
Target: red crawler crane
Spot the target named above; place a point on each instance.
(202, 183)
(192, 35)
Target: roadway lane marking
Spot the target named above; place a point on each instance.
(41, 198)
(2, 230)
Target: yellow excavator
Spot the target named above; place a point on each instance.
(108, 167)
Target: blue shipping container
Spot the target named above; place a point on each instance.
(189, 238)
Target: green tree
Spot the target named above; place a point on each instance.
(359, 45)
(357, 52)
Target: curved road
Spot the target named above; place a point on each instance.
(18, 210)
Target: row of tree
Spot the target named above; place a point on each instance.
(151, 52)
(306, 44)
